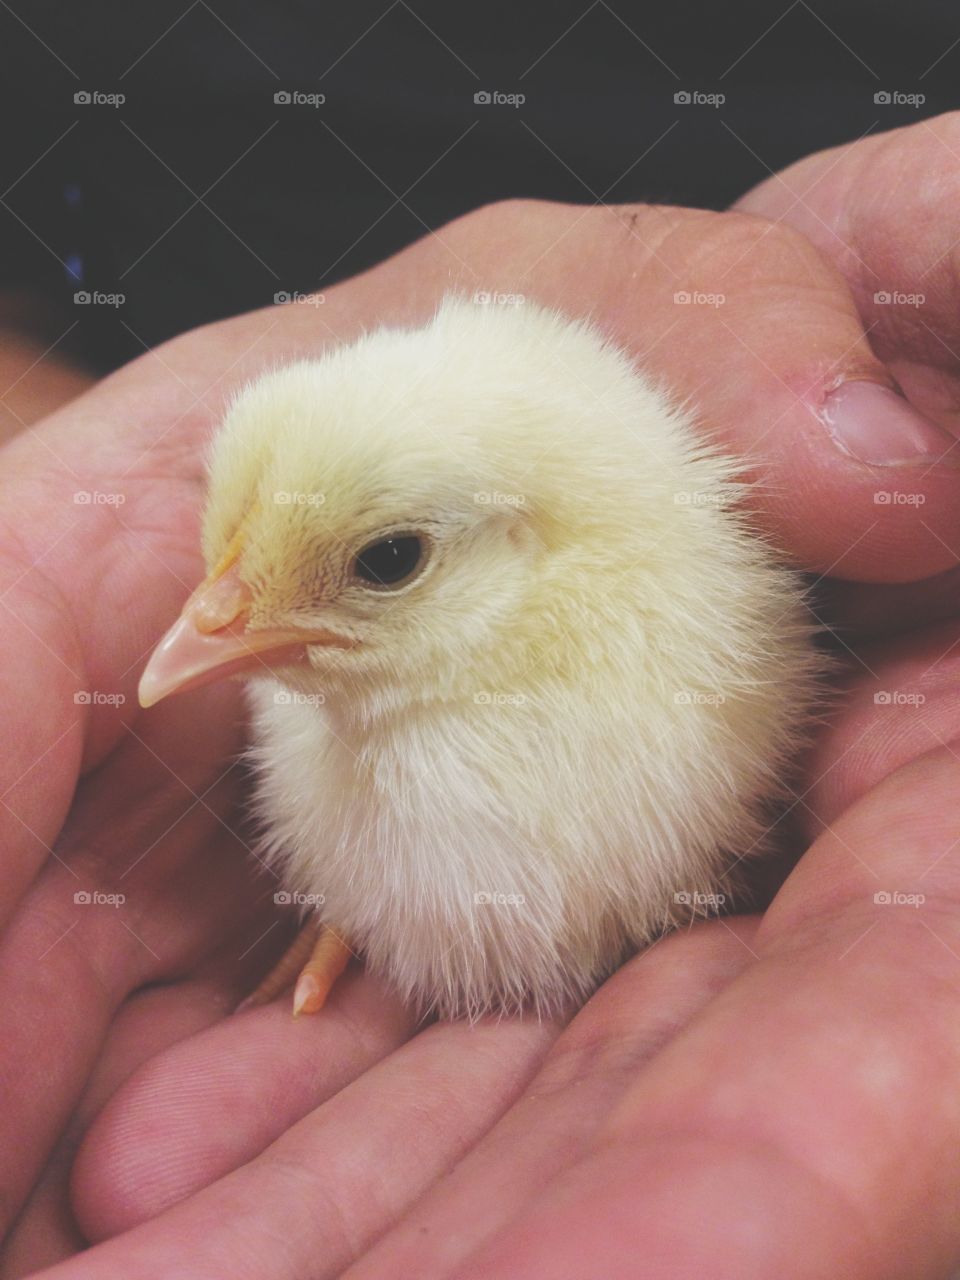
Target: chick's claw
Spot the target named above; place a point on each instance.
(316, 958)
(328, 959)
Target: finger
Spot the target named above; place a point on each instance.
(807, 1123)
(900, 699)
(146, 882)
(775, 358)
(884, 210)
(44, 739)
(146, 1025)
(334, 1181)
(72, 655)
(550, 1126)
(214, 1102)
(100, 547)
(149, 1022)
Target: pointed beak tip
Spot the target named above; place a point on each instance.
(147, 697)
(152, 687)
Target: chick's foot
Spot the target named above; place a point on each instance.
(316, 958)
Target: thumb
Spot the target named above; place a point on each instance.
(746, 321)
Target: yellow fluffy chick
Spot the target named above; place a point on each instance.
(523, 679)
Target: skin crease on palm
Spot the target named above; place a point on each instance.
(745, 1099)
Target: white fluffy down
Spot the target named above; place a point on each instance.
(570, 730)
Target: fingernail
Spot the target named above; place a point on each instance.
(874, 424)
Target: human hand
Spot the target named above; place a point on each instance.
(77, 596)
(731, 1103)
(883, 211)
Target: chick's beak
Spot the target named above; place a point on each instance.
(211, 640)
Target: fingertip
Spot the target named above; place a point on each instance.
(855, 483)
(209, 1104)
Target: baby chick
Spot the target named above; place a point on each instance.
(523, 680)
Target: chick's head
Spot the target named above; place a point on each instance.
(388, 514)
(357, 514)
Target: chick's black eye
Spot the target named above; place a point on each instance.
(389, 562)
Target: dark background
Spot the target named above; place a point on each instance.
(200, 196)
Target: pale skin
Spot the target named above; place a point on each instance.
(752, 1097)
